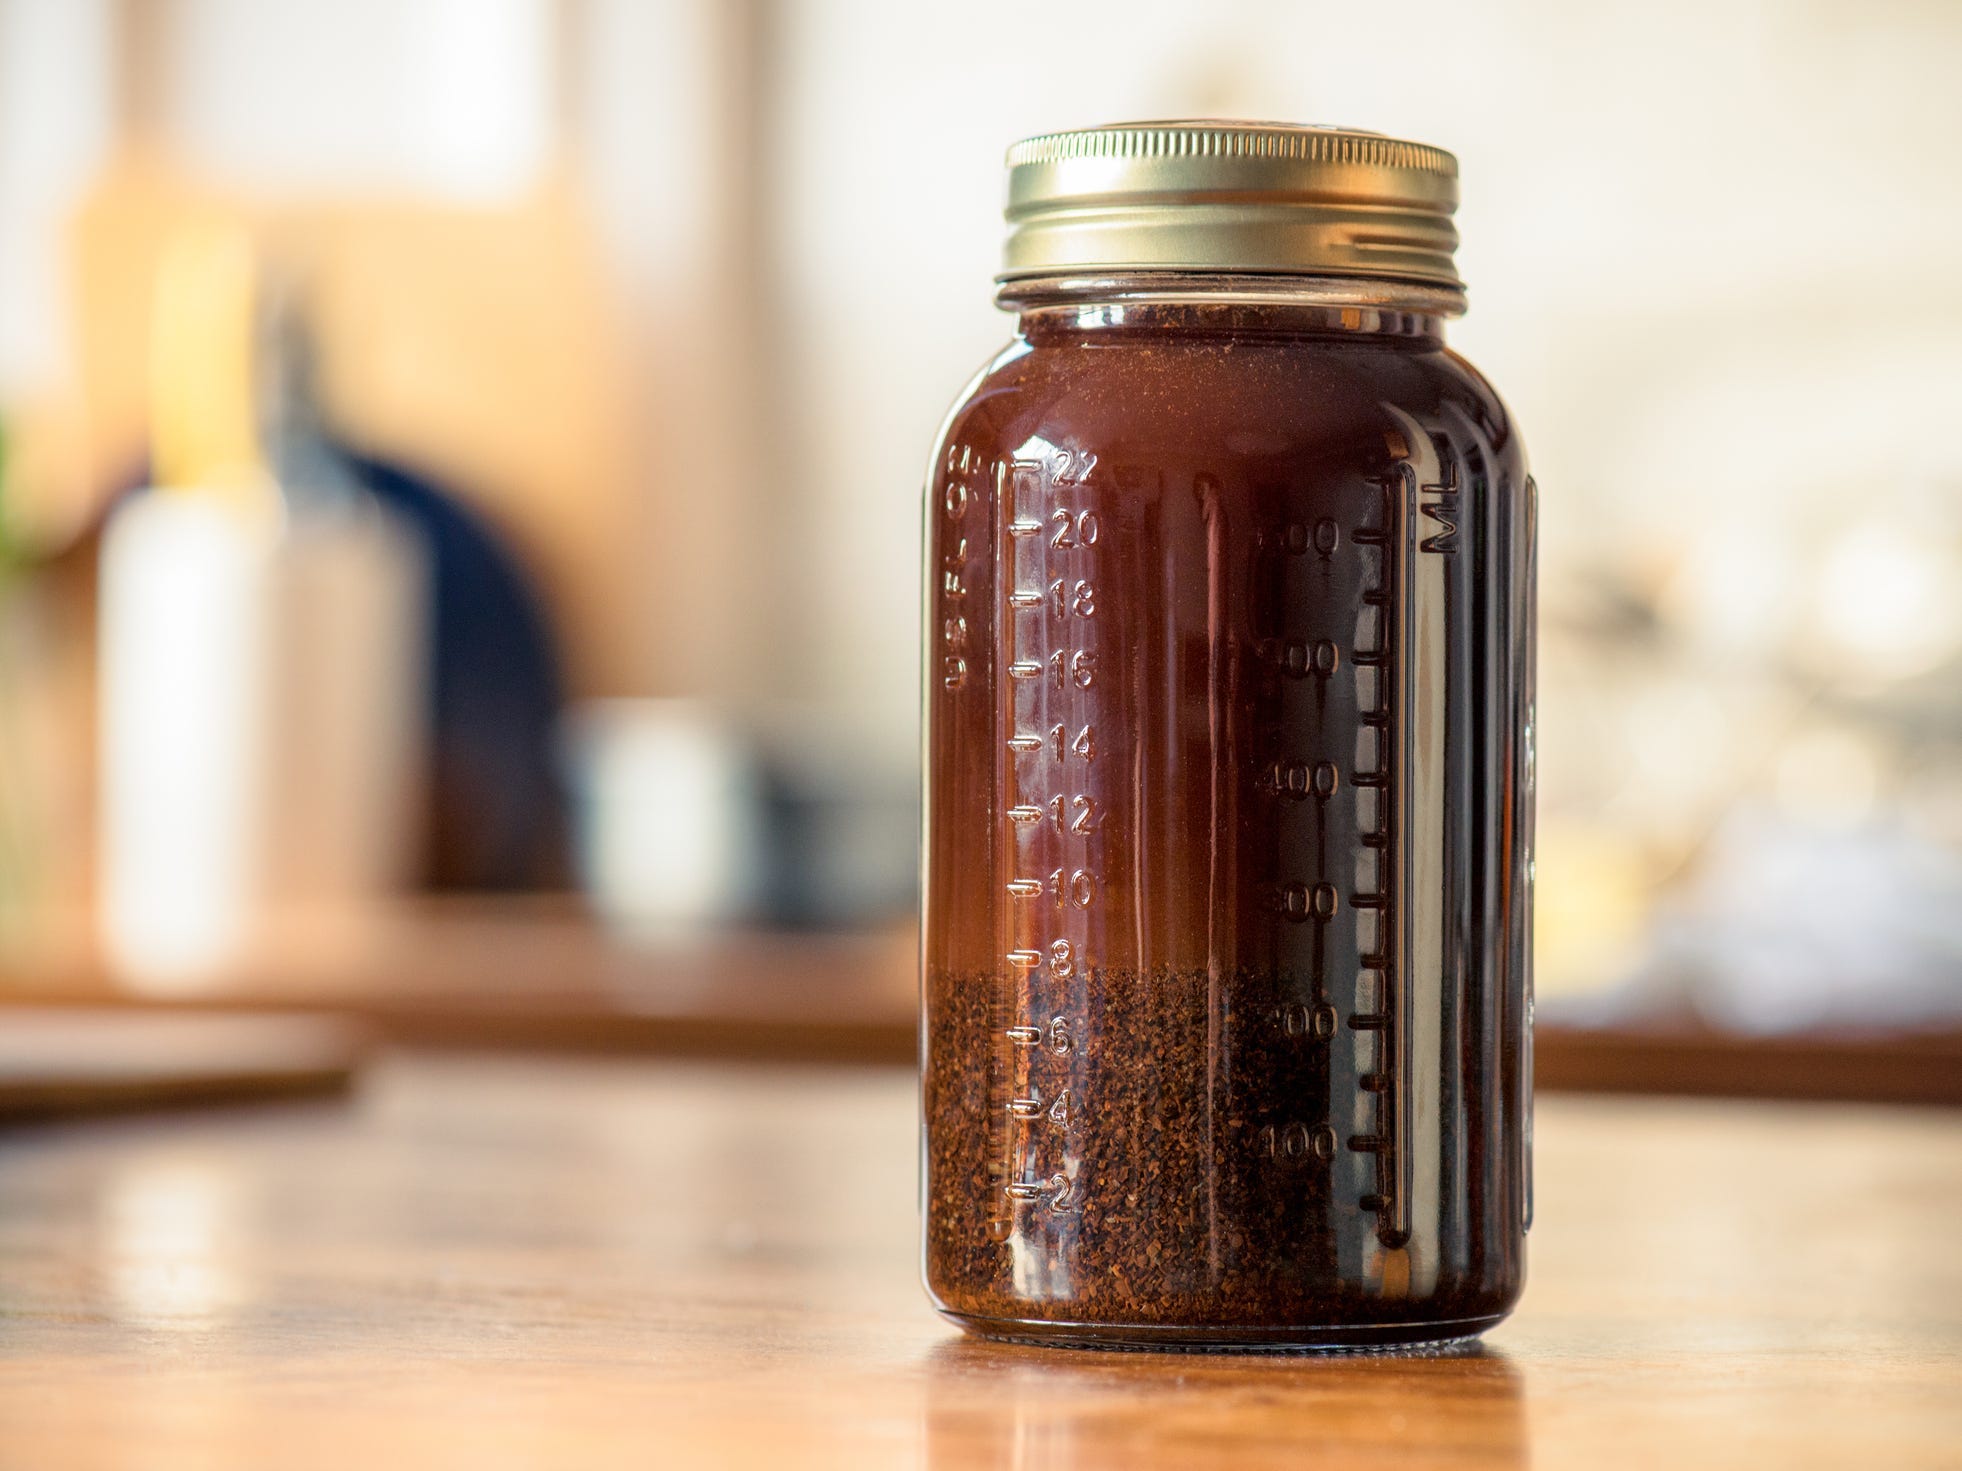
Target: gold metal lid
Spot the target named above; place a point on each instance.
(1208, 195)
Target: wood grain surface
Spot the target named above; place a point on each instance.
(57, 1060)
(560, 1263)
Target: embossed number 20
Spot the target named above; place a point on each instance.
(1078, 529)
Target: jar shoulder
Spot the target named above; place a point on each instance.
(995, 378)
(1262, 399)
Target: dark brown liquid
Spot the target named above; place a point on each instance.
(1229, 690)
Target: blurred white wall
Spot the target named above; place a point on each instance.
(1710, 250)
(54, 121)
(450, 98)
(1709, 245)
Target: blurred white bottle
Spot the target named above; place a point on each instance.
(261, 697)
(263, 661)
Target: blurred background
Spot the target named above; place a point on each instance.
(459, 465)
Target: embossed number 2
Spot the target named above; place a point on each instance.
(1062, 1202)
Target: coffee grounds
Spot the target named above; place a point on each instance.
(1180, 1214)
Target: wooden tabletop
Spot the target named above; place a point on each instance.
(57, 1062)
(557, 1263)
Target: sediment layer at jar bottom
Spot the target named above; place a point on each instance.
(1195, 1202)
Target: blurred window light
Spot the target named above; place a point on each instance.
(487, 109)
(1890, 600)
(54, 125)
(1828, 775)
(451, 98)
(1736, 590)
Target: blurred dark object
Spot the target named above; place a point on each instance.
(56, 1062)
(496, 812)
(497, 815)
(496, 818)
(837, 857)
(842, 823)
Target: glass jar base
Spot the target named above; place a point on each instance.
(1455, 1335)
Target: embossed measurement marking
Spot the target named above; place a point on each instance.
(1044, 623)
(1340, 862)
(1380, 1023)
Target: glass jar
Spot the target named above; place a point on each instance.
(1229, 712)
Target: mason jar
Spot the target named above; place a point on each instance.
(1229, 763)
